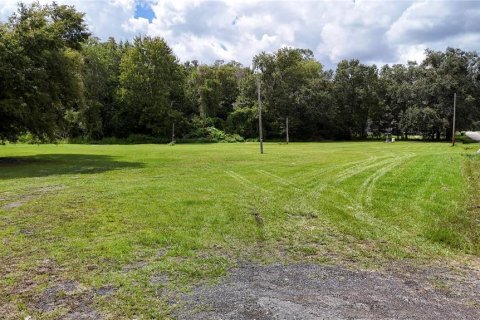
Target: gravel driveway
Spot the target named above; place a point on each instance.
(306, 291)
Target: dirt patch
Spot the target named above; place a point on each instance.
(159, 279)
(105, 290)
(305, 291)
(70, 296)
(69, 299)
(134, 266)
(9, 311)
(56, 295)
(12, 205)
(20, 200)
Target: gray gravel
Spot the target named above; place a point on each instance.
(305, 291)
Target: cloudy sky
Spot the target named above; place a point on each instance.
(379, 32)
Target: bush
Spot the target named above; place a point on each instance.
(131, 139)
(232, 138)
(211, 134)
(142, 138)
(28, 138)
(208, 134)
(196, 140)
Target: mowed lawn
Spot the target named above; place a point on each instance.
(127, 228)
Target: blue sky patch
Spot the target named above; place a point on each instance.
(143, 9)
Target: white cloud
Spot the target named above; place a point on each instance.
(411, 53)
(104, 17)
(372, 31)
(136, 25)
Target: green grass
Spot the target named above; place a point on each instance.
(124, 216)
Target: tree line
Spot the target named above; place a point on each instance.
(57, 81)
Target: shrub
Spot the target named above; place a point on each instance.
(211, 134)
(28, 138)
(232, 138)
(142, 138)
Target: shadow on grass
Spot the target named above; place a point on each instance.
(43, 165)
(472, 156)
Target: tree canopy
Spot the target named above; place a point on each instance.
(41, 70)
(58, 81)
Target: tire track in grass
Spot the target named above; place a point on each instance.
(357, 168)
(424, 185)
(315, 196)
(349, 166)
(312, 175)
(351, 172)
(306, 195)
(348, 173)
(366, 191)
(280, 180)
(304, 192)
(392, 231)
(284, 183)
(365, 196)
(245, 182)
(356, 210)
(354, 207)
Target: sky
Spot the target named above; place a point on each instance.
(380, 32)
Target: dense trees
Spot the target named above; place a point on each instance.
(56, 81)
(356, 90)
(294, 87)
(101, 71)
(150, 82)
(41, 70)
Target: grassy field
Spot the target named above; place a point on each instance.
(129, 227)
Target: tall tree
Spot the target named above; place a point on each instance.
(355, 89)
(448, 73)
(101, 74)
(42, 81)
(150, 85)
(214, 88)
(400, 91)
(285, 75)
(243, 120)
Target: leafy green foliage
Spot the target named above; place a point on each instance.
(149, 80)
(356, 88)
(101, 73)
(204, 131)
(214, 89)
(57, 82)
(41, 76)
(294, 86)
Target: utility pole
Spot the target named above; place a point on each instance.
(454, 116)
(260, 131)
(286, 127)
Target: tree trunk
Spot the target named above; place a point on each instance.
(286, 131)
(448, 134)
